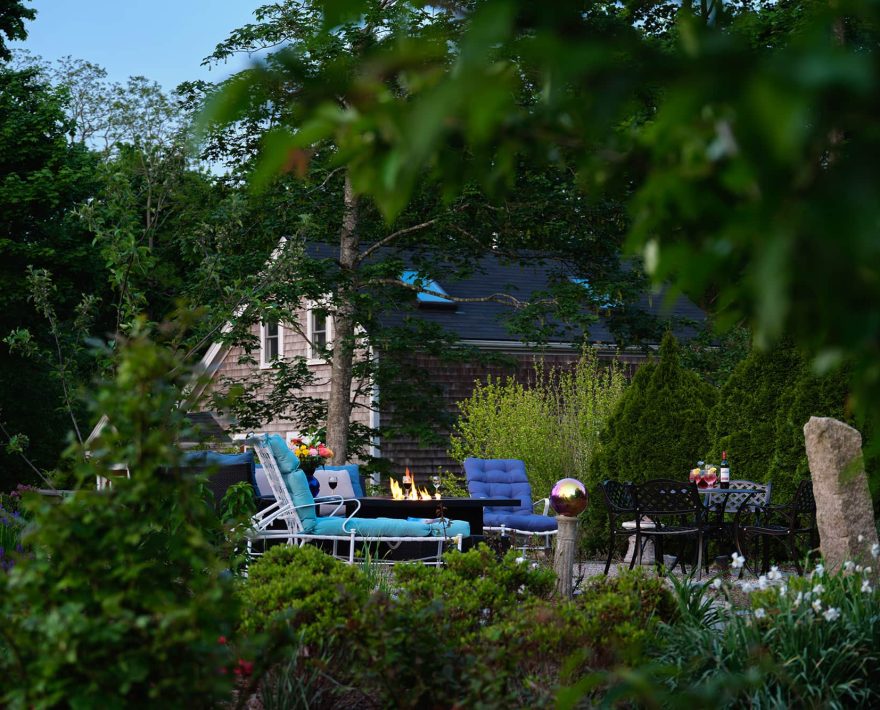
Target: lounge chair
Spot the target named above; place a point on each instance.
(506, 478)
(293, 517)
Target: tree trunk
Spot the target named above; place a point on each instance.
(339, 402)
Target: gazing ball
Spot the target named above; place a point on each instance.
(569, 497)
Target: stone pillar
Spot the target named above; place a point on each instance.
(566, 540)
(843, 502)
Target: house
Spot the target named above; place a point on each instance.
(478, 324)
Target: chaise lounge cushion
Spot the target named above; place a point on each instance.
(389, 527)
(284, 457)
(298, 487)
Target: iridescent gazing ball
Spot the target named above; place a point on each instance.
(569, 497)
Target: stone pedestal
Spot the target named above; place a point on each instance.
(843, 502)
(566, 540)
(647, 557)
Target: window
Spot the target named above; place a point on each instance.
(271, 343)
(413, 278)
(319, 331)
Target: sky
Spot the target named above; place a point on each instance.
(163, 40)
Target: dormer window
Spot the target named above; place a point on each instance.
(433, 294)
(605, 300)
(271, 343)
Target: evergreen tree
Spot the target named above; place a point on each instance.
(657, 431)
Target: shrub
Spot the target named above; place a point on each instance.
(553, 426)
(657, 430)
(760, 415)
(122, 597)
(304, 587)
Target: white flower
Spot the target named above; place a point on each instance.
(520, 560)
(737, 560)
(783, 590)
(831, 614)
(762, 582)
(867, 570)
(820, 569)
(818, 589)
(859, 568)
(747, 587)
(798, 599)
(535, 565)
(817, 605)
(866, 586)
(774, 574)
(875, 550)
(760, 613)
(861, 538)
(716, 583)
(849, 566)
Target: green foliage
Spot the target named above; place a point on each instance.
(13, 13)
(477, 631)
(42, 177)
(760, 415)
(304, 587)
(749, 194)
(122, 598)
(658, 430)
(552, 425)
(812, 640)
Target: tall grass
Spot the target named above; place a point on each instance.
(553, 425)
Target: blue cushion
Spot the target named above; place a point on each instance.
(299, 491)
(353, 473)
(390, 527)
(521, 521)
(287, 460)
(505, 478)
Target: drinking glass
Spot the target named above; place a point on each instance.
(332, 482)
(711, 476)
(435, 479)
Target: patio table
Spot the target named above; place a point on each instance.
(724, 530)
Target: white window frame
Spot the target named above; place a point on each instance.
(264, 363)
(314, 358)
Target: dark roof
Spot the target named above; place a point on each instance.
(206, 428)
(486, 320)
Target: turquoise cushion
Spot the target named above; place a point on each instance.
(299, 491)
(284, 457)
(389, 527)
(354, 474)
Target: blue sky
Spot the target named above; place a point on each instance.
(164, 40)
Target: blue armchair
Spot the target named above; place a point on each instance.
(506, 478)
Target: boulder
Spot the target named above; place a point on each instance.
(843, 502)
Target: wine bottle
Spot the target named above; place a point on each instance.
(725, 471)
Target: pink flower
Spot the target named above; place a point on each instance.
(243, 668)
(323, 451)
(222, 640)
(313, 452)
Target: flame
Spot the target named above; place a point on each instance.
(397, 492)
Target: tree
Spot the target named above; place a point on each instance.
(13, 13)
(43, 178)
(752, 170)
(439, 237)
(658, 429)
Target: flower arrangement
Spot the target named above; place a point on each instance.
(311, 453)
